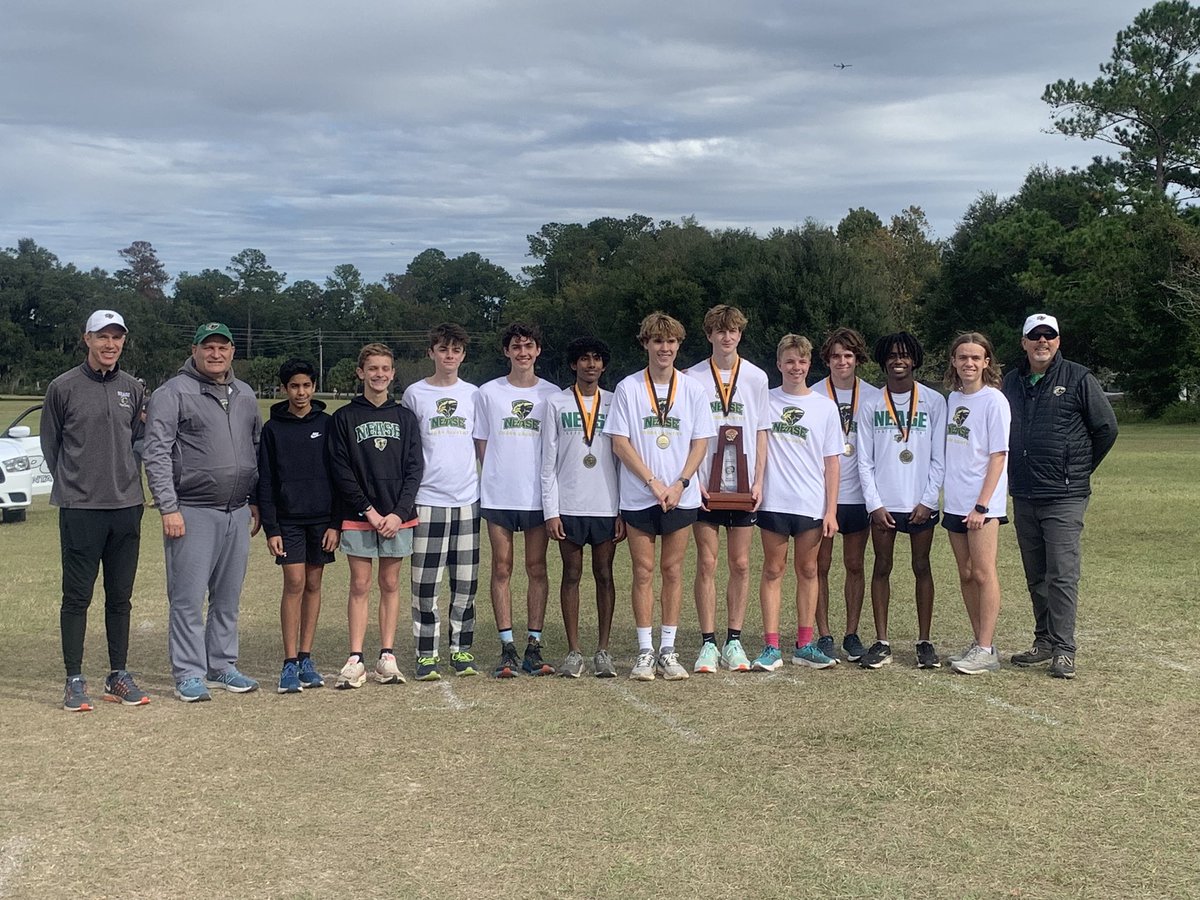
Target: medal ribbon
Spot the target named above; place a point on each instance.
(906, 426)
(847, 424)
(588, 416)
(726, 393)
(661, 411)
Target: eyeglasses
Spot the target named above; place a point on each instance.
(1042, 335)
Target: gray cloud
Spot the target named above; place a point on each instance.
(368, 131)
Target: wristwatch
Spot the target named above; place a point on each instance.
(684, 481)
(981, 509)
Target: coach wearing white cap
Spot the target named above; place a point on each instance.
(90, 419)
(1062, 427)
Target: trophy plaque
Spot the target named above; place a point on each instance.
(729, 483)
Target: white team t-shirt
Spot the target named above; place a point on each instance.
(849, 486)
(804, 431)
(748, 409)
(510, 420)
(631, 416)
(976, 426)
(446, 416)
(569, 486)
(886, 479)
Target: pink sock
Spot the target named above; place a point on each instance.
(804, 636)
(771, 638)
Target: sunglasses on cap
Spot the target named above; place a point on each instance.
(1039, 334)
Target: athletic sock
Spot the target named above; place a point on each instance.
(383, 650)
(771, 639)
(292, 659)
(535, 635)
(506, 636)
(733, 634)
(645, 638)
(709, 637)
(668, 635)
(803, 636)
(358, 653)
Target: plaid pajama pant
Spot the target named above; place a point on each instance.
(447, 537)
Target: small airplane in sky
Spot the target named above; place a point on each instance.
(842, 65)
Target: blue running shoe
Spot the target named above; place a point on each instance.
(233, 681)
(192, 690)
(289, 679)
(810, 655)
(309, 676)
(427, 669)
(75, 697)
(768, 661)
(825, 645)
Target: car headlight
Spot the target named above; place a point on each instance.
(17, 464)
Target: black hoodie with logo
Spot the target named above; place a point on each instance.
(376, 460)
(295, 485)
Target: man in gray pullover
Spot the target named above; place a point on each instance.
(202, 430)
(90, 420)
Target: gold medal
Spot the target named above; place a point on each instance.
(589, 462)
(663, 442)
(848, 450)
(906, 456)
(661, 406)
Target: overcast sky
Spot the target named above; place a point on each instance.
(365, 132)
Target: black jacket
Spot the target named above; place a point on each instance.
(1062, 427)
(294, 482)
(375, 456)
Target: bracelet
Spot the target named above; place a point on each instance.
(651, 480)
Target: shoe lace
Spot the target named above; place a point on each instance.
(426, 660)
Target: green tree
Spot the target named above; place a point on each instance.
(341, 378)
(1146, 100)
(146, 275)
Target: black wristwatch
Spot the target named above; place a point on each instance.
(684, 481)
(981, 509)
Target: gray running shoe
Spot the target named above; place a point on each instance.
(602, 665)
(572, 666)
(960, 656)
(669, 667)
(977, 661)
(1034, 656)
(1063, 666)
(643, 666)
(75, 696)
(119, 687)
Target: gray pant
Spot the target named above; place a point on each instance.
(210, 556)
(1048, 533)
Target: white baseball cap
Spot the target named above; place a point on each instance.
(1040, 319)
(102, 318)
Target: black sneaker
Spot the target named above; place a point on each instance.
(877, 657)
(927, 657)
(1034, 656)
(1063, 666)
(853, 647)
(533, 664)
(509, 666)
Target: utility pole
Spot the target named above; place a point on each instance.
(320, 359)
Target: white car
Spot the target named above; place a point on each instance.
(42, 479)
(16, 479)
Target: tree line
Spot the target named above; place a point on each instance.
(1111, 248)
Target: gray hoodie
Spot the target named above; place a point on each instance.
(202, 442)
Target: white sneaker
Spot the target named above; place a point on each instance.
(386, 670)
(643, 668)
(669, 667)
(353, 674)
(977, 661)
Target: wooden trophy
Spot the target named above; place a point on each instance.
(729, 483)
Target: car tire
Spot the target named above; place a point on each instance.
(12, 516)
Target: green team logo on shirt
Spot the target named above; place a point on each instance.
(735, 408)
(520, 417)
(956, 426)
(919, 422)
(573, 421)
(651, 423)
(379, 432)
(446, 418)
(790, 423)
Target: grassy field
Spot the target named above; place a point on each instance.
(843, 782)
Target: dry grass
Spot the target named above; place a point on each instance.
(851, 783)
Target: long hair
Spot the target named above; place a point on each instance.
(850, 340)
(991, 371)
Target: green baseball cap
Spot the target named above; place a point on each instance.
(211, 329)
